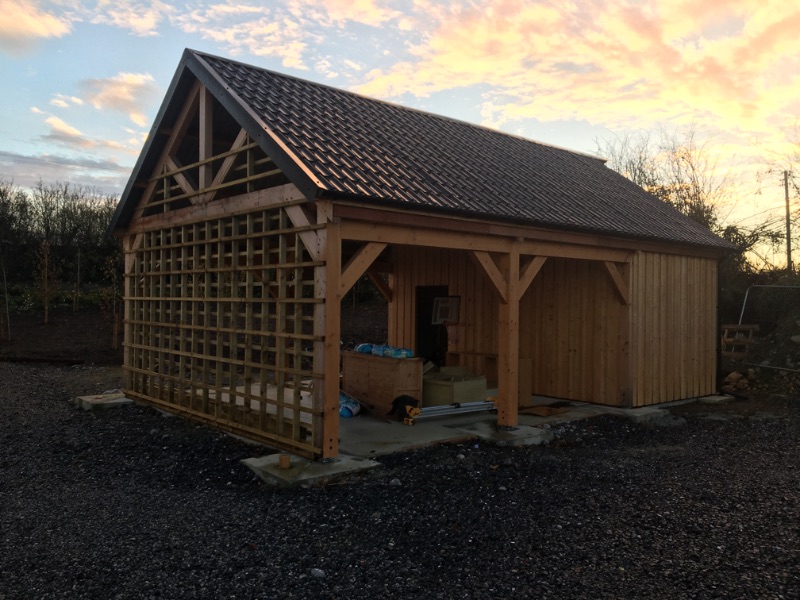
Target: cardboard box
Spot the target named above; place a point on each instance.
(451, 385)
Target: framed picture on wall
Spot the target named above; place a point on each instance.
(446, 310)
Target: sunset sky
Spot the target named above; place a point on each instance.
(84, 80)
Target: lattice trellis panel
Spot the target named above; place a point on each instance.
(220, 326)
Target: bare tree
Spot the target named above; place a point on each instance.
(677, 168)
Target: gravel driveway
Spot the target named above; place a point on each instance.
(130, 504)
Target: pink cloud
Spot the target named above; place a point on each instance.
(23, 23)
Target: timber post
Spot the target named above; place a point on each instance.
(508, 341)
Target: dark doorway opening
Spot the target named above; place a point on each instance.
(431, 339)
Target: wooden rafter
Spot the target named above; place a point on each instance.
(180, 175)
(358, 265)
(176, 134)
(225, 168)
(623, 292)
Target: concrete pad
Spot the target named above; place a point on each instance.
(573, 413)
(306, 472)
(522, 435)
(102, 401)
(369, 436)
(717, 399)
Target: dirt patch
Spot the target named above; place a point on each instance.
(84, 336)
(757, 406)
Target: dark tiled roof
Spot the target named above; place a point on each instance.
(377, 151)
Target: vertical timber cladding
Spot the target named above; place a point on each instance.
(673, 328)
(221, 326)
(571, 322)
(414, 266)
(573, 327)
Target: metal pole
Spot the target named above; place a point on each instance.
(789, 268)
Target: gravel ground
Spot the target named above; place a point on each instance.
(130, 504)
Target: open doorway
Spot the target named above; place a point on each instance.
(431, 339)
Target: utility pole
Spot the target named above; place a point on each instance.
(789, 267)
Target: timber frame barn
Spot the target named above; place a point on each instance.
(260, 199)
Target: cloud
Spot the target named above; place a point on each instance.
(62, 101)
(68, 136)
(23, 23)
(233, 26)
(610, 63)
(125, 92)
(352, 65)
(327, 12)
(142, 18)
(26, 170)
(60, 128)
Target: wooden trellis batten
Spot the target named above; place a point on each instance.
(220, 325)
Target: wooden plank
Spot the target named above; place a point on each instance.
(180, 176)
(384, 287)
(495, 276)
(395, 234)
(206, 142)
(624, 361)
(241, 140)
(528, 273)
(329, 441)
(358, 265)
(274, 197)
(619, 283)
(300, 218)
(637, 298)
(508, 347)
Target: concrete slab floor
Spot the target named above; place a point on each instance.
(369, 436)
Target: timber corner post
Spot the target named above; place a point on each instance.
(328, 318)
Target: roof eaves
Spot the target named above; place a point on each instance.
(723, 247)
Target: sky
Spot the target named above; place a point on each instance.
(84, 80)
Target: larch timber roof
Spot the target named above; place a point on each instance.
(337, 144)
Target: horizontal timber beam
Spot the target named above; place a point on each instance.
(451, 239)
(282, 195)
(526, 233)
(394, 234)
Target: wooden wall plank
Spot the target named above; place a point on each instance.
(673, 327)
